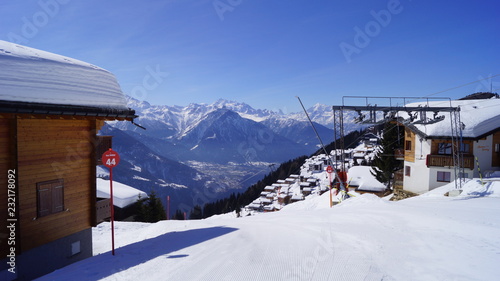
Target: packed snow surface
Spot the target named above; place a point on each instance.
(430, 237)
(31, 75)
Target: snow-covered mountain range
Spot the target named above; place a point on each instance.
(223, 147)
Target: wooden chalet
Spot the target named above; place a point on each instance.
(428, 159)
(51, 108)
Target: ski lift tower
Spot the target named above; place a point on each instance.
(369, 111)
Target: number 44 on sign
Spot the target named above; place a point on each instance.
(111, 162)
(110, 158)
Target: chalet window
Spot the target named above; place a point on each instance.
(444, 176)
(465, 148)
(407, 171)
(444, 148)
(408, 145)
(50, 197)
(497, 147)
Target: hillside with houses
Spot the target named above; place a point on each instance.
(315, 179)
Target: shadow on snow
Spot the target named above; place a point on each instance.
(131, 255)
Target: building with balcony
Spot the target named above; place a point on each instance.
(428, 159)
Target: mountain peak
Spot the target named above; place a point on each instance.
(234, 105)
(137, 104)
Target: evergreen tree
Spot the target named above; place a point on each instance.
(196, 213)
(150, 209)
(384, 163)
(178, 215)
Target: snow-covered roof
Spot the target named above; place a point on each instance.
(269, 208)
(254, 206)
(33, 76)
(361, 177)
(266, 201)
(269, 188)
(479, 117)
(123, 195)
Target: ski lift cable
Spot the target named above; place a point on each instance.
(342, 187)
(467, 84)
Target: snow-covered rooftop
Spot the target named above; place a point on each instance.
(34, 76)
(123, 195)
(361, 177)
(479, 117)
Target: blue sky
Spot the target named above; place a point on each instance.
(266, 52)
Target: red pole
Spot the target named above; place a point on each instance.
(168, 207)
(112, 211)
(330, 180)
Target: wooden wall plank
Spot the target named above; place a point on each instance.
(410, 154)
(52, 149)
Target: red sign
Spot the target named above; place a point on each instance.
(329, 169)
(110, 158)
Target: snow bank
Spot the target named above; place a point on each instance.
(123, 195)
(471, 188)
(31, 75)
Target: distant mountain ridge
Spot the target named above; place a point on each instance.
(213, 148)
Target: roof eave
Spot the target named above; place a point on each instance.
(65, 110)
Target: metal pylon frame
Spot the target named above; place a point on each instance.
(456, 142)
(338, 136)
(417, 116)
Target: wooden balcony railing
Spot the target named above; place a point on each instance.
(399, 154)
(104, 143)
(447, 161)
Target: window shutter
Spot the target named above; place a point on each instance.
(57, 197)
(44, 199)
(50, 195)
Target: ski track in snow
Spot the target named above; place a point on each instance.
(363, 238)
